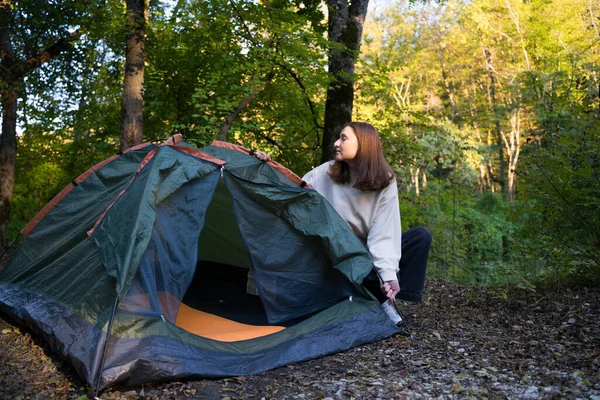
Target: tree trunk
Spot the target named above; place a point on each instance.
(8, 100)
(131, 108)
(513, 148)
(345, 26)
(495, 111)
(414, 177)
(448, 88)
(8, 157)
(12, 72)
(439, 49)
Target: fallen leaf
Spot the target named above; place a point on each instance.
(456, 387)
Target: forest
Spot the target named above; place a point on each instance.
(488, 109)
(489, 114)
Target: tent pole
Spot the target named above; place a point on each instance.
(99, 375)
(9, 245)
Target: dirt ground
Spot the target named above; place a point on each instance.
(470, 343)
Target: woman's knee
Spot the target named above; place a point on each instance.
(423, 235)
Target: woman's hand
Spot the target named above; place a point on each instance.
(390, 289)
(262, 156)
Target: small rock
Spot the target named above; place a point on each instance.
(559, 348)
(531, 393)
(571, 321)
(577, 375)
(481, 373)
(501, 387)
(453, 344)
(552, 389)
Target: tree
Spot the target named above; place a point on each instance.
(250, 72)
(131, 107)
(345, 25)
(37, 46)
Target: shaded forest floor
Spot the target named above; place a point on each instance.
(471, 342)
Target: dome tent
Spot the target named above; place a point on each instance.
(169, 262)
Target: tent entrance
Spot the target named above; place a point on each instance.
(218, 306)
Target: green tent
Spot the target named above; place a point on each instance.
(169, 262)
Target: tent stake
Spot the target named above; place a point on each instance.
(406, 331)
(99, 375)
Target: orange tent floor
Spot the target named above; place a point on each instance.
(214, 327)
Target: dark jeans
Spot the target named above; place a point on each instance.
(413, 264)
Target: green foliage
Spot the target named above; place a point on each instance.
(45, 180)
(426, 85)
(423, 80)
(562, 207)
(470, 232)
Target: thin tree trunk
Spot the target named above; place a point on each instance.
(481, 178)
(514, 15)
(131, 107)
(445, 80)
(448, 89)
(414, 177)
(495, 111)
(513, 148)
(345, 26)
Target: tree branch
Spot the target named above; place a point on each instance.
(21, 68)
(51, 52)
(308, 100)
(227, 123)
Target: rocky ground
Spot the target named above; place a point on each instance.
(469, 342)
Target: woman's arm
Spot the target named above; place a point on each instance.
(384, 241)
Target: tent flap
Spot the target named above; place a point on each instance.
(126, 230)
(169, 262)
(291, 261)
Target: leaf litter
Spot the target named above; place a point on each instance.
(470, 342)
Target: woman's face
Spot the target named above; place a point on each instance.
(346, 146)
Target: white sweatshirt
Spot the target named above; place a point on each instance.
(374, 216)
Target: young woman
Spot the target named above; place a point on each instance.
(361, 187)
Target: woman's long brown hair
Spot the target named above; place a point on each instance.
(373, 171)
